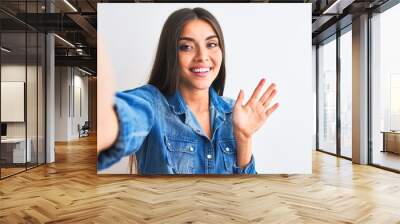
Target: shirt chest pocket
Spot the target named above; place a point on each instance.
(180, 154)
(228, 148)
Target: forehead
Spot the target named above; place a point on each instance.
(197, 28)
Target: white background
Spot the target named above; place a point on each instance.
(261, 40)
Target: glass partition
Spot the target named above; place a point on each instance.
(13, 105)
(327, 96)
(346, 94)
(385, 89)
(22, 88)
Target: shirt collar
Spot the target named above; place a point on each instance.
(178, 105)
(219, 102)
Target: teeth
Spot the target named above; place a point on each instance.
(200, 69)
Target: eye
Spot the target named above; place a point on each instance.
(185, 47)
(212, 45)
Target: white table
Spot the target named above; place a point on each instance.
(19, 155)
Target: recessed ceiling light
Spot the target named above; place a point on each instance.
(64, 40)
(337, 7)
(5, 50)
(70, 5)
(84, 71)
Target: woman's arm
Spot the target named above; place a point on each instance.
(244, 152)
(248, 118)
(124, 118)
(107, 130)
(107, 121)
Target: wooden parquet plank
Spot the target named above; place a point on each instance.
(70, 191)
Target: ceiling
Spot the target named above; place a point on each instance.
(76, 22)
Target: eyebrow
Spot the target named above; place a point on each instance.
(191, 39)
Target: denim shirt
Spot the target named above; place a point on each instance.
(167, 139)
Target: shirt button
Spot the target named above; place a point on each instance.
(227, 149)
(209, 156)
(191, 149)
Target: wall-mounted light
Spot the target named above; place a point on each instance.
(64, 40)
(70, 5)
(5, 50)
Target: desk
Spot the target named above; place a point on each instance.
(391, 141)
(16, 147)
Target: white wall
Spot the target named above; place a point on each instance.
(70, 83)
(61, 103)
(15, 73)
(33, 127)
(80, 82)
(261, 41)
(12, 73)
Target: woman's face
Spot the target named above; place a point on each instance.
(199, 55)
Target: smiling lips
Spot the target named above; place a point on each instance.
(201, 71)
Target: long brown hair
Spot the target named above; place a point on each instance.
(164, 74)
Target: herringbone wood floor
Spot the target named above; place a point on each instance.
(69, 191)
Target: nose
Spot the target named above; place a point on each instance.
(202, 54)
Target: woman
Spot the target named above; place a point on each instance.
(179, 123)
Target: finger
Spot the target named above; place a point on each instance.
(257, 91)
(271, 109)
(239, 100)
(269, 99)
(267, 93)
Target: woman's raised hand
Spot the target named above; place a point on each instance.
(248, 118)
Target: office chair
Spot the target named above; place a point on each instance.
(84, 130)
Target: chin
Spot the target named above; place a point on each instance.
(201, 86)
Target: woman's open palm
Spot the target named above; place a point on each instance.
(248, 118)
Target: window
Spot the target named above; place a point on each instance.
(327, 97)
(346, 94)
(385, 88)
